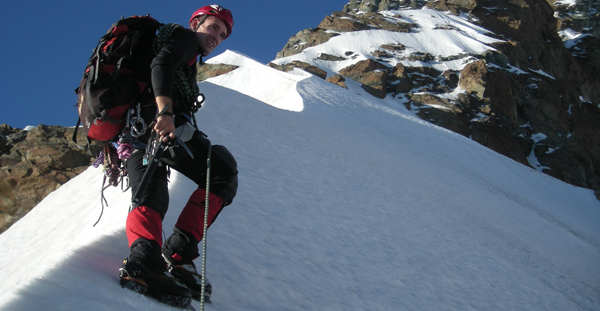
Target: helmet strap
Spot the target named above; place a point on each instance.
(200, 21)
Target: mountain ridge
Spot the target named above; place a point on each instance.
(530, 95)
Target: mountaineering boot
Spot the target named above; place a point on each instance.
(160, 285)
(179, 252)
(187, 273)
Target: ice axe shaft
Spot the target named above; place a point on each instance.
(152, 164)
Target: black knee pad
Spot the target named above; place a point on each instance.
(223, 181)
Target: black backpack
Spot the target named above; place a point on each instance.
(116, 74)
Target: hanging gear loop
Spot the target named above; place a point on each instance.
(153, 162)
(137, 124)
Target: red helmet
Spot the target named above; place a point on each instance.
(217, 11)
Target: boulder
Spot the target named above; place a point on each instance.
(372, 75)
(337, 80)
(473, 78)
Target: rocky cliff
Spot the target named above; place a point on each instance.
(34, 163)
(533, 96)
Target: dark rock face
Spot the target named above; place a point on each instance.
(32, 165)
(557, 98)
(535, 96)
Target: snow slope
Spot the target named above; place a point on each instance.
(346, 202)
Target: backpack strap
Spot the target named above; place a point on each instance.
(85, 147)
(187, 90)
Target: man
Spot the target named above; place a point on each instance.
(154, 268)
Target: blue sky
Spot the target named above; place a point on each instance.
(46, 44)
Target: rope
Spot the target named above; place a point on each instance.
(205, 228)
(111, 163)
(186, 91)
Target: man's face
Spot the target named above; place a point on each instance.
(210, 34)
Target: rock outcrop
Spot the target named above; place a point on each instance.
(33, 164)
(371, 74)
(301, 65)
(210, 70)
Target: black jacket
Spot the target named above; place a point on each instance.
(181, 50)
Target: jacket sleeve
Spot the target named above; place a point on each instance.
(180, 50)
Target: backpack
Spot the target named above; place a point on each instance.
(116, 74)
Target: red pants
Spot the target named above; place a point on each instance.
(146, 223)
